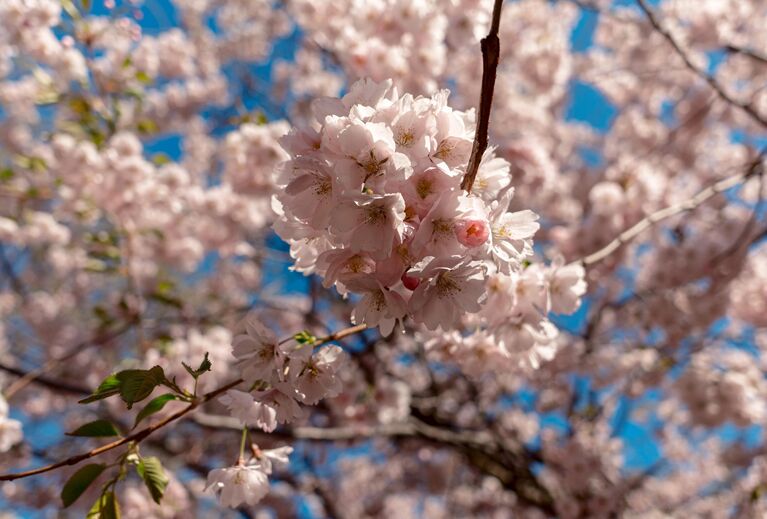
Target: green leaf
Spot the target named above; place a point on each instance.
(167, 300)
(155, 405)
(160, 159)
(150, 470)
(105, 507)
(305, 337)
(146, 126)
(109, 386)
(6, 174)
(79, 482)
(143, 77)
(97, 429)
(70, 9)
(205, 365)
(79, 106)
(165, 286)
(137, 384)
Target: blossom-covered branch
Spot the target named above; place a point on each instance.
(135, 437)
(746, 107)
(755, 168)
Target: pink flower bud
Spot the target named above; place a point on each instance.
(472, 233)
(410, 282)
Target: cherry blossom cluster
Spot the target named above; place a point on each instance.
(385, 39)
(281, 375)
(514, 331)
(722, 386)
(372, 203)
(137, 169)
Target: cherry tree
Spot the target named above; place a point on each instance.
(368, 258)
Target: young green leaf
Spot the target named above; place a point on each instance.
(305, 337)
(97, 429)
(109, 386)
(150, 470)
(154, 406)
(205, 365)
(105, 507)
(137, 384)
(79, 482)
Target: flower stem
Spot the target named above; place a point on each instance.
(241, 458)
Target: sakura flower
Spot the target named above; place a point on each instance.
(379, 306)
(248, 411)
(282, 400)
(309, 192)
(318, 378)
(452, 289)
(511, 234)
(436, 232)
(240, 484)
(370, 223)
(425, 187)
(566, 286)
(493, 176)
(453, 151)
(257, 350)
(339, 265)
(269, 459)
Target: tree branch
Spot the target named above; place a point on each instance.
(708, 78)
(673, 210)
(491, 51)
(31, 376)
(732, 49)
(58, 385)
(143, 433)
(137, 436)
(482, 448)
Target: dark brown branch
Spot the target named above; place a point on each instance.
(57, 385)
(97, 340)
(491, 51)
(708, 78)
(143, 433)
(135, 437)
(482, 448)
(732, 49)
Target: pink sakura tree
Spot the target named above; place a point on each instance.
(424, 366)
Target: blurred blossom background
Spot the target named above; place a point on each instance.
(239, 180)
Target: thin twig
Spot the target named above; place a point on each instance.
(708, 78)
(732, 49)
(140, 435)
(491, 52)
(137, 437)
(337, 336)
(29, 377)
(58, 385)
(673, 210)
